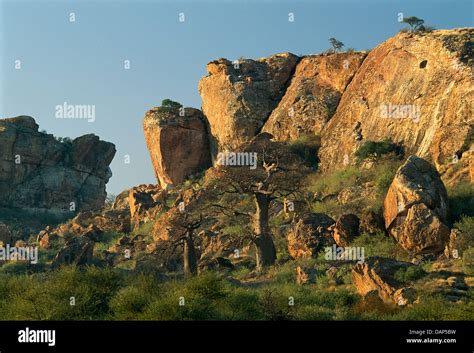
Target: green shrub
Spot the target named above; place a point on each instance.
(377, 148)
(307, 147)
(466, 225)
(410, 274)
(380, 245)
(461, 201)
(468, 261)
(167, 105)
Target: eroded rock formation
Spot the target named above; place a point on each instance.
(178, 145)
(39, 172)
(416, 89)
(313, 95)
(238, 97)
(415, 208)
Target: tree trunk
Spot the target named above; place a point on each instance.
(190, 260)
(265, 248)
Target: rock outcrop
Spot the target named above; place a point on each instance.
(39, 172)
(77, 251)
(345, 229)
(415, 208)
(145, 202)
(313, 95)
(178, 143)
(309, 235)
(377, 274)
(238, 97)
(416, 89)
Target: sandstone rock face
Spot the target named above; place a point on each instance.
(39, 172)
(313, 95)
(305, 275)
(145, 201)
(377, 274)
(237, 98)
(310, 235)
(77, 250)
(371, 223)
(416, 89)
(345, 229)
(178, 145)
(458, 243)
(415, 208)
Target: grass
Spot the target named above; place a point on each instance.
(461, 201)
(380, 245)
(102, 294)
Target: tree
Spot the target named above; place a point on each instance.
(337, 45)
(170, 106)
(278, 174)
(186, 240)
(416, 24)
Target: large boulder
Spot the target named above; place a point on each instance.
(238, 97)
(178, 143)
(309, 235)
(313, 95)
(415, 208)
(377, 274)
(39, 172)
(77, 251)
(414, 88)
(145, 202)
(345, 229)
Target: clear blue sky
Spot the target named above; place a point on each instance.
(82, 62)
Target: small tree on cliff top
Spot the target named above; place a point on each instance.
(170, 106)
(417, 24)
(278, 173)
(337, 45)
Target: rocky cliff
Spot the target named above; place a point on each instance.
(415, 89)
(39, 172)
(238, 97)
(313, 95)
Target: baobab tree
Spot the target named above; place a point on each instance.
(279, 173)
(186, 239)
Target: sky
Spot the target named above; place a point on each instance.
(46, 59)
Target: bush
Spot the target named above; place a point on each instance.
(468, 261)
(307, 148)
(167, 105)
(466, 225)
(377, 148)
(461, 201)
(410, 274)
(380, 245)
